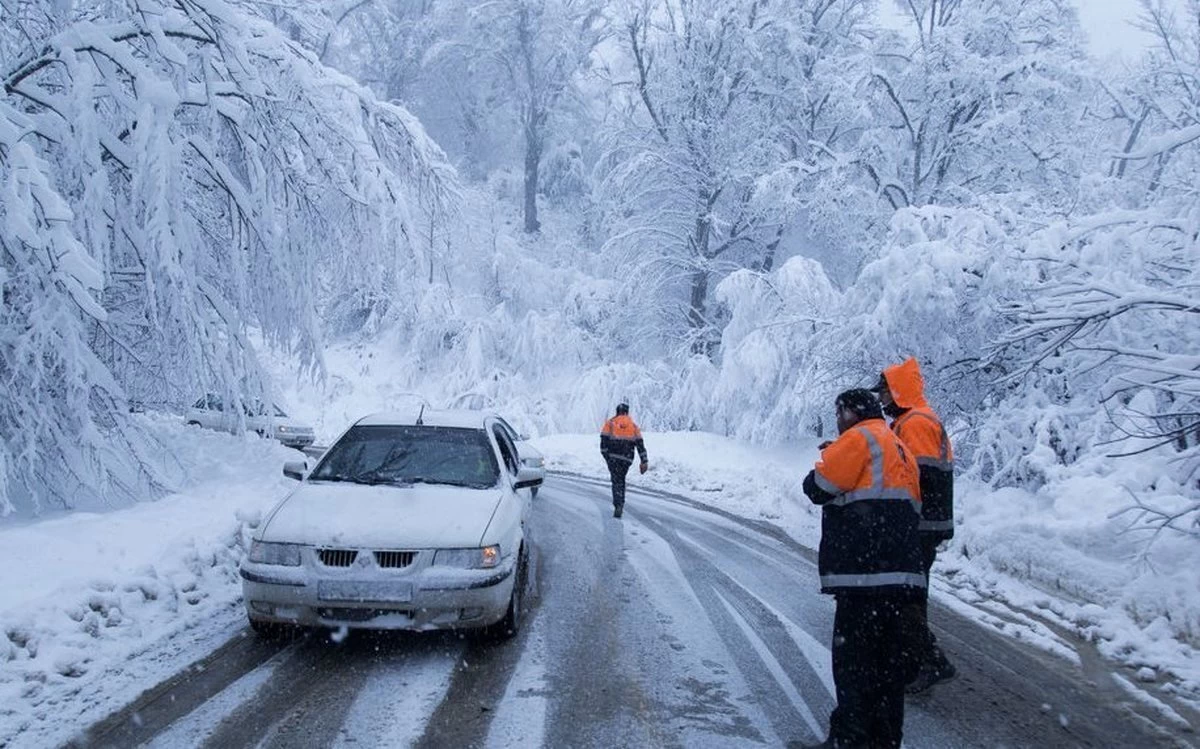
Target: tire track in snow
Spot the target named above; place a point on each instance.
(771, 664)
(314, 675)
(157, 708)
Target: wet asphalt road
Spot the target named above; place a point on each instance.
(675, 626)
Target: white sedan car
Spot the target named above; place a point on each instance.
(407, 522)
(210, 412)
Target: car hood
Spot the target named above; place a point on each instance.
(422, 516)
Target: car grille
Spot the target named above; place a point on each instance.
(337, 557)
(394, 559)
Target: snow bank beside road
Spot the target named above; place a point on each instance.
(1065, 553)
(89, 601)
(1019, 560)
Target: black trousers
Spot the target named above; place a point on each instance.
(617, 471)
(872, 662)
(925, 643)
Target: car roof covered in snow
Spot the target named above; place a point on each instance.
(462, 418)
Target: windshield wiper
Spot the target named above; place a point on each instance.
(331, 477)
(368, 480)
(374, 478)
(451, 482)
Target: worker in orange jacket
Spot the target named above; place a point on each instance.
(867, 485)
(618, 440)
(902, 391)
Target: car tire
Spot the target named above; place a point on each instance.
(193, 423)
(508, 627)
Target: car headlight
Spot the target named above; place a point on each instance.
(472, 559)
(283, 430)
(535, 462)
(265, 552)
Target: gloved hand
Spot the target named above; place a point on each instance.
(644, 467)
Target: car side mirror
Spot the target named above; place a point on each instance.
(527, 478)
(522, 437)
(295, 469)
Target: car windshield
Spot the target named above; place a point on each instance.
(279, 413)
(401, 455)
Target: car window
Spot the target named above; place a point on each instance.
(508, 451)
(512, 433)
(200, 403)
(411, 454)
(279, 414)
(214, 403)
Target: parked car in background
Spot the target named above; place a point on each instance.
(530, 456)
(210, 412)
(409, 521)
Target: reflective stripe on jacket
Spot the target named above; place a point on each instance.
(921, 430)
(869, 541)
(619, 438)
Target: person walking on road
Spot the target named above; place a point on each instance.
(902, 392)
(867, 485)
(618, 440)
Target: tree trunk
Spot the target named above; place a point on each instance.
(533, 160)
(697, 311)
(768, 261)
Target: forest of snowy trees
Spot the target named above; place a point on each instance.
(724, 210)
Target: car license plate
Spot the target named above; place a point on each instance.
(361, 591)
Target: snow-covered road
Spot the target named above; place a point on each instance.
(675, 626)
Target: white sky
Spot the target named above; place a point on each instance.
(1109, 26)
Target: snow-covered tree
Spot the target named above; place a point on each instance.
(181, 174)
(730, 112)
(1115, 306)
(529, 54)
(975, 98)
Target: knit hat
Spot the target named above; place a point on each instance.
(860, 402)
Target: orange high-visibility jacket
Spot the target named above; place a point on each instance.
(869, 541)
(923, 433)
(620, 437)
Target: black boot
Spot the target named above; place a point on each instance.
(932, 673)
(617, 510)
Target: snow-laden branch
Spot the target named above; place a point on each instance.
(185, 162)
(1163, 143)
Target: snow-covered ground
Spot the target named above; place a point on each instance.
(97, 607)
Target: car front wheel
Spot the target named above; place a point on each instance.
(510, 625)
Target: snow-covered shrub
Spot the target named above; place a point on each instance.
(772, 381)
